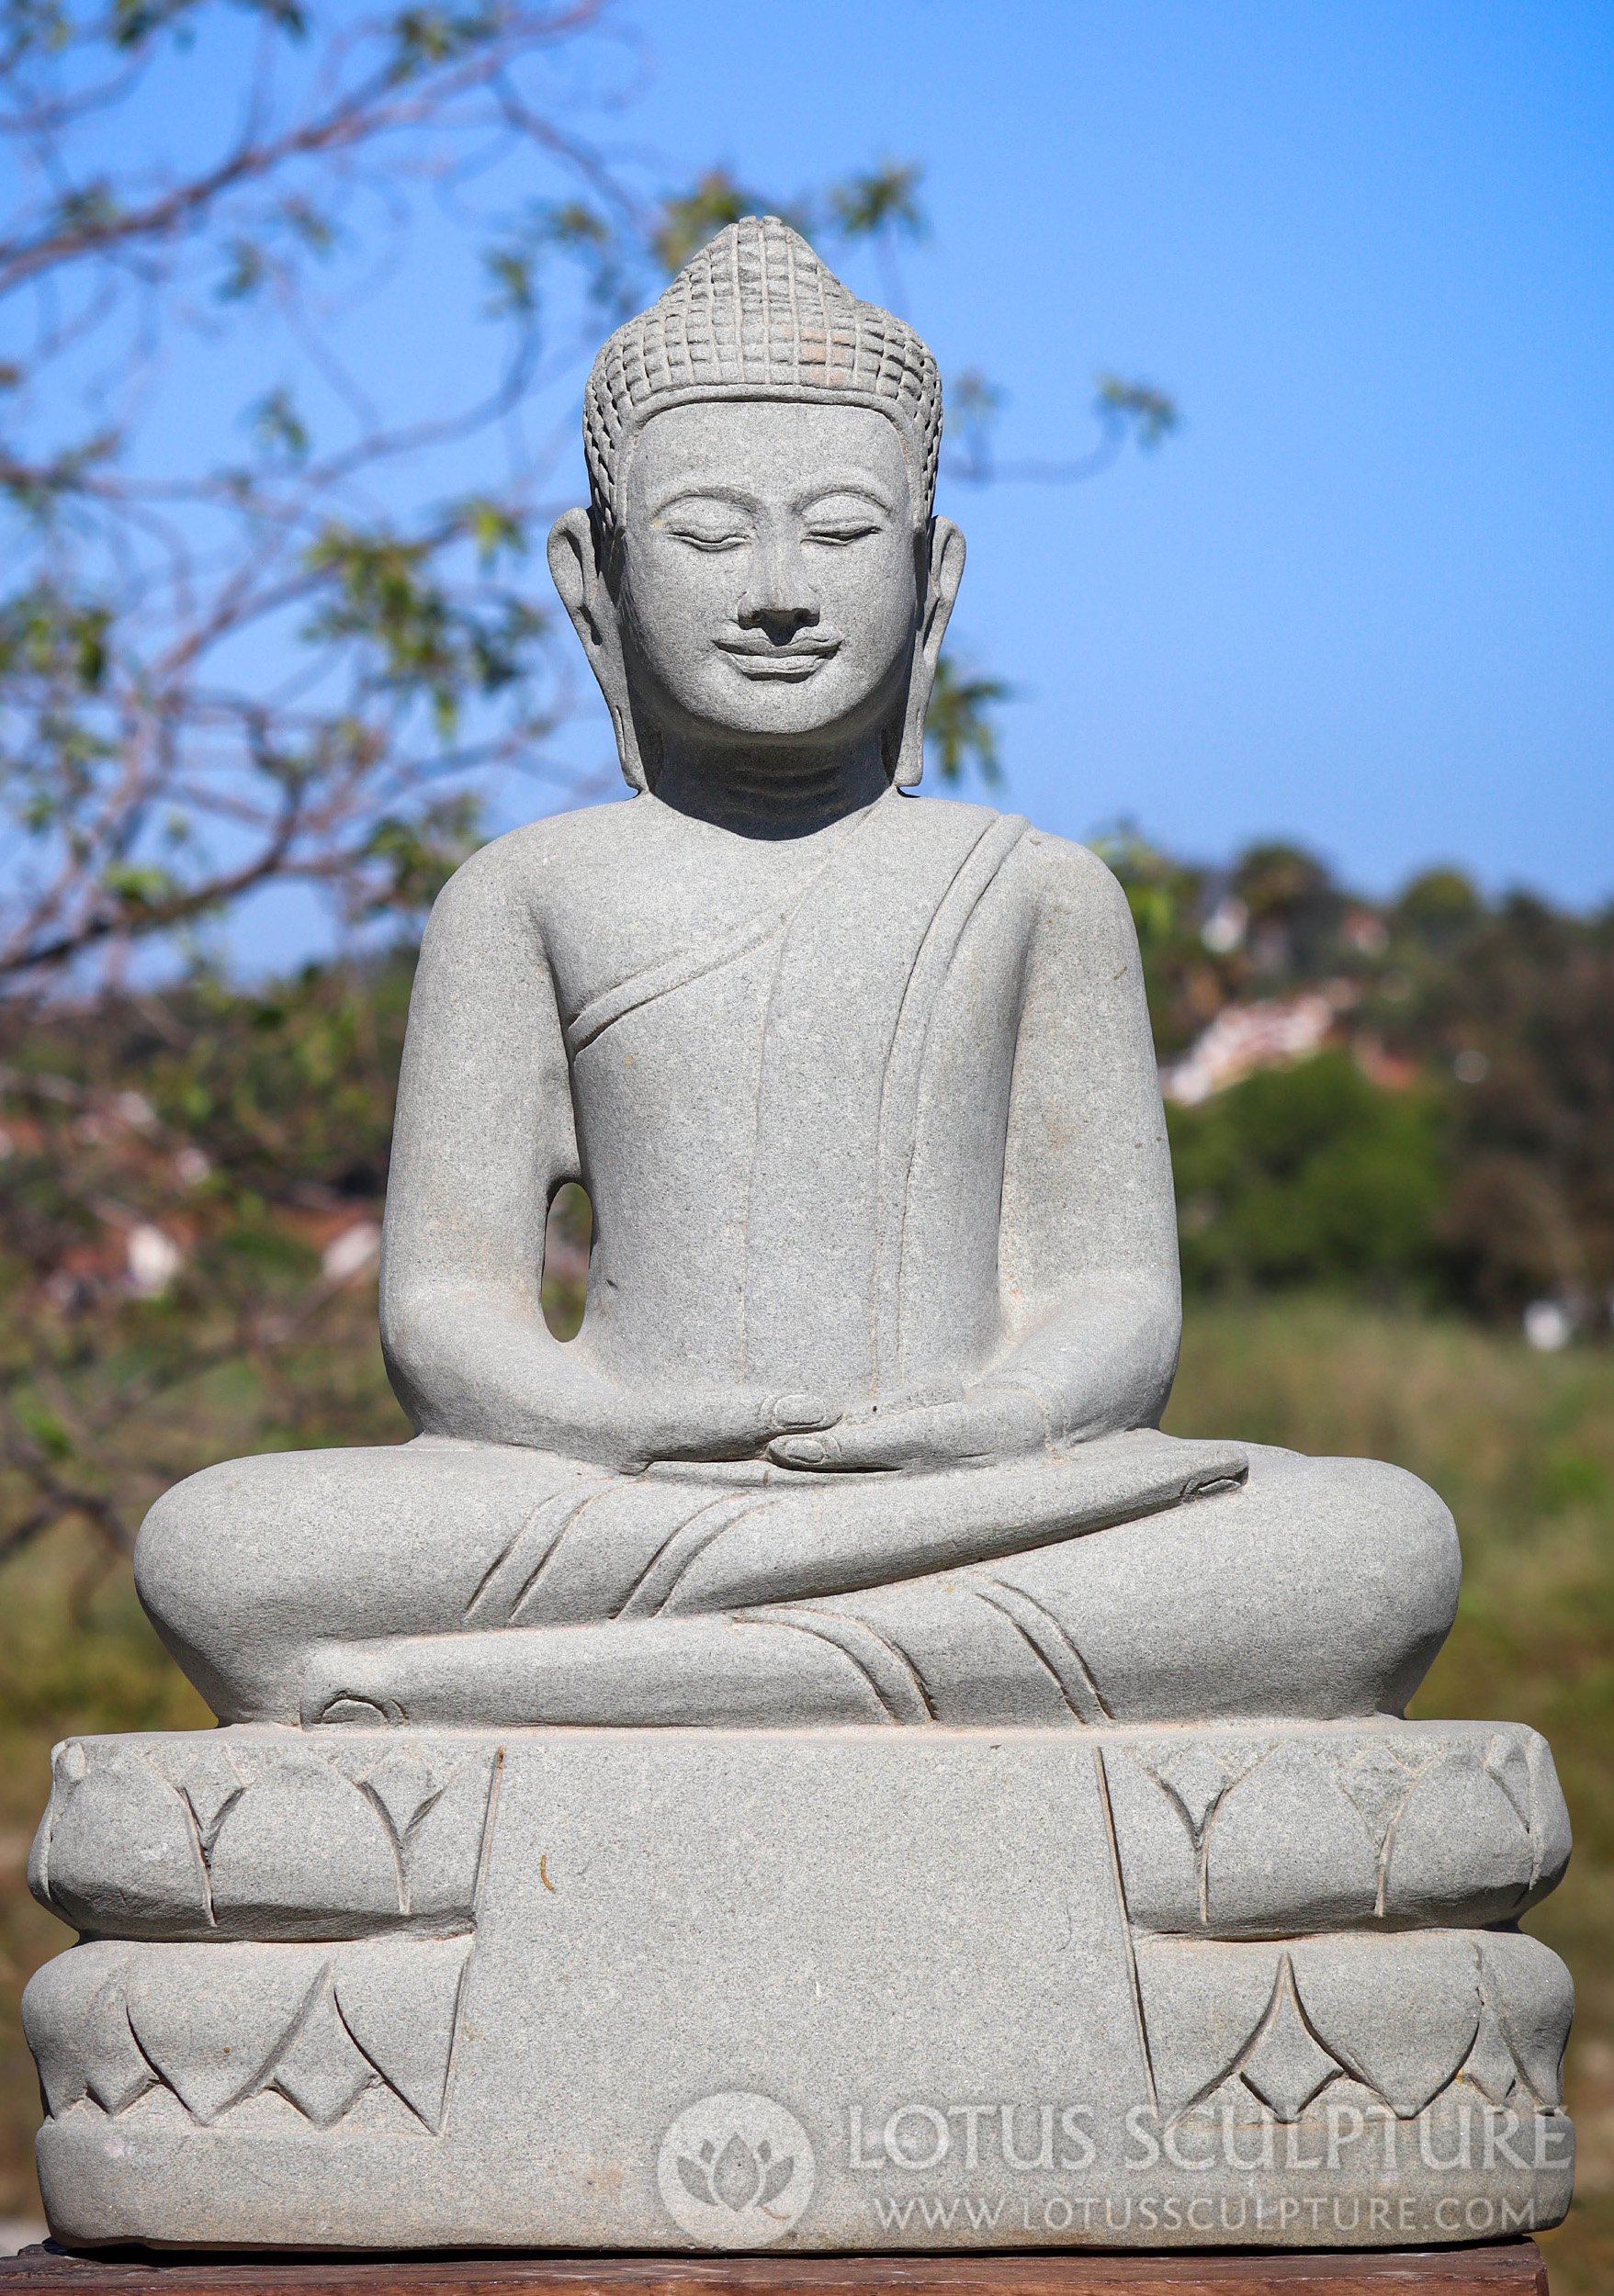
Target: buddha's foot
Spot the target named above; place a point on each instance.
(831, 1990)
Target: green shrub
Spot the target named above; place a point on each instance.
(1310, 1175)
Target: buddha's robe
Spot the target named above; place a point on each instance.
(797, 1131)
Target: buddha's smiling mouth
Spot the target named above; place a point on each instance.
(789, 663)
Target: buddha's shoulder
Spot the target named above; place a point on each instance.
(1048, 869)
(525, 866)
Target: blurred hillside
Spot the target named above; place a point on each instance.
(1413, 1099)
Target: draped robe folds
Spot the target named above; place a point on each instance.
(878, 1073)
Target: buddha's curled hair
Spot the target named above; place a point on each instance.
(756, 315)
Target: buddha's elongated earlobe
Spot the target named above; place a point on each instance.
(944, 572)
(574, 565)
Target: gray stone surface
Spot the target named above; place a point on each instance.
(1220, 1832)
(862, 1088)
(957, 1744)
(895, 1938)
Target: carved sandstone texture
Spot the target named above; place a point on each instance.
(261, 1834)
(845, 1921)
(756, 313)
(1247, 1833)
(1221, 1833)
(363, 2029)
(1405, 2021)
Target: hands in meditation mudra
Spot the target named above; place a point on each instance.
(862, 1422)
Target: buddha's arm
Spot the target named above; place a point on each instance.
(1087, 1241)
(484, 1136)
(1088, 1236)
(482, 1139)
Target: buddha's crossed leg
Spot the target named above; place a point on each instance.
(481, 1584)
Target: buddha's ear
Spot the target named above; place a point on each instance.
(944, 572)
(575, 566)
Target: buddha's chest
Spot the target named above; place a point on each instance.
(662, 903)
(791, 1091)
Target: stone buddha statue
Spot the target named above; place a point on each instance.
(445, 1942)
(862, 1422)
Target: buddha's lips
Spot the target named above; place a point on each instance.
(791, 663)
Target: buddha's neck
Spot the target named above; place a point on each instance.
(770, 796)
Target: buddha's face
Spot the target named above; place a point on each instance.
(770, 572)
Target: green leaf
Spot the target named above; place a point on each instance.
(493, 527)
(247, 268)
(277, 427)
(959, 728)
(44, 1426)
(140, 885)
(306, 223)
(1150, 414)
(882, 199)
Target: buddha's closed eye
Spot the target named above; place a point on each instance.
(837, 533)
(843, 517)
(699, 536)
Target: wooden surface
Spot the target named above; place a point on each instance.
(1514, 2270)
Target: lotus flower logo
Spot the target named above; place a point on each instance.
(736, 2170)
(738, 2176)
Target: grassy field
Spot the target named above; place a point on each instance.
(1521, 1446)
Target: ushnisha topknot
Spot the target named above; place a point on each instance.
(756, 315)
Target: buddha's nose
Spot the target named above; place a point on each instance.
(779, 622)
(780, 599)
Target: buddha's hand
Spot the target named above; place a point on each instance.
(975, 1427)
(712, 1423)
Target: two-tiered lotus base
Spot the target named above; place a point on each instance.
(1252, 1985)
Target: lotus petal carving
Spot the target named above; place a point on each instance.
(1549, 1817)
(1533, 1996)
(323, 2071)
(1158, 1862)
(215, 2019)
(1287, 1842)
(1399, 2013)
(398, 1998)
(1203, 2004)
(303, 1844)
(121, 1856)
(1287, 2065)
(78, 2029)
(1459, 1849)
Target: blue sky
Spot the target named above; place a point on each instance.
(1363, 597)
